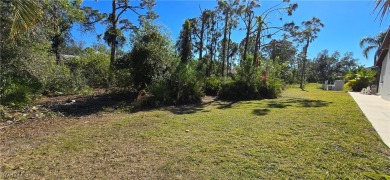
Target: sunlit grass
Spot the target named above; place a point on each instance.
(311, 134)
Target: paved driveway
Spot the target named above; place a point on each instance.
(377, 111)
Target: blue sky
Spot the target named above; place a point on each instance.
(346, 22)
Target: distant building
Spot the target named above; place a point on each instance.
(68, 57)
(382, 61)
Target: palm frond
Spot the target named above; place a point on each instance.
(369, 41)
(383, 6)
(368, 49)
(26, 14)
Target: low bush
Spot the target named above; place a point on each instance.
(212, 85)
(185, 86)
(359, 78)
(122, 80)
(253, 82)
(182, 87)
(160, 94)
(356, 85)
(241, 90)
(94, 65)
(18, 92)
(238, 90)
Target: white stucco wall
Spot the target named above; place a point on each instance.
(384, 83)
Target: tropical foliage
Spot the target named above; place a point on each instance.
(383, 6)
(360, 78)
(370, 44)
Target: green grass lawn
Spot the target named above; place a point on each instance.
(311, 134)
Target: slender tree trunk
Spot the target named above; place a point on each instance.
(214, 41)
(210, 68)
(257, 42)
(224, 43)
(58, 56)
(302, 85)
(293, 77)
(228, 69)
(113, 42)
(207, 52)
(56, 39)
(201, 40)
(113, 34)
(211, 55)
(248, 31)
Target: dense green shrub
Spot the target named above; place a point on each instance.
(152, 70)
(18, 91)
(272, 76)
(26, 75)
(181, 87)
(185, 86)
(122, 80)
(239, 90)
(95, 66)
(151, 58)
(212, 85)
(270, 91)
(359, 78)
(160, 94)
(62, 78)
(253, 82)
(18, 82)
(356, 85)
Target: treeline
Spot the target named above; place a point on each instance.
(42, 58)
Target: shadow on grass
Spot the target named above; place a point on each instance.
(186, 109)
(298, 102)
(278, 105)
(225, 105)
(307, 102)
(191, 108)
(260, 112)
(109, 102)
(84, 106)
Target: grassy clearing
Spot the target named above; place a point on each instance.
(310, 134)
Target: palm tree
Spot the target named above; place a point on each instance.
(25, 15)
(384, 6)
(370, 43)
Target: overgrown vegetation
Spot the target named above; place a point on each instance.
(45, 60)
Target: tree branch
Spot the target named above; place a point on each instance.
(119, 14)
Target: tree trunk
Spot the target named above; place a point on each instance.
(58, 55)
(113, 42)
(210, 68)
(224, 44)
(248, 31)
(113, 35)
(302, 85)
(56, 39)
(228, 68)
(293, 77)
(257, 42)
(201, 40)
